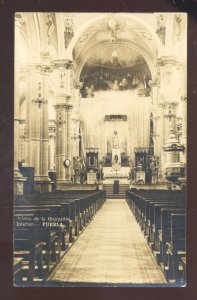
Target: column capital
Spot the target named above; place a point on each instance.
(22, 121)
(52, 127)
(63, 64)
(42, 68)
(167, 60)
(69, 108)
(172, 104)
(68, 64)
(59, 106)
(154, 82)
(77, 84)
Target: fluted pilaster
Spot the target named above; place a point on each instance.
(60, 151)
(18, 179)
(52, 133)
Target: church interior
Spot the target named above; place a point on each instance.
(100, 148)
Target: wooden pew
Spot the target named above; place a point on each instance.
(76, 213)
(52, 235)
(54, 211)
(154, 221)
(165, 233)
(153, 213)
(17, 269)
(183, 263)
(29, 246)
(141, 206)
(176, 247)
(156, 225)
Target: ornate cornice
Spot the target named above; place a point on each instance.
(77, 85)
(68, 64)
(167, 60)
(67, 107)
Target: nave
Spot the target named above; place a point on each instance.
(79, 237)
(112, 249)
(100, 113)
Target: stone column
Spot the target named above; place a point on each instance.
(68, 141)
(44, 161)
(75, 137)
(156, 134)
(51, 145)
(35, 111)
(22, 141)
(170, 119)
(28, 103)
(184, 126)
(75, 119)
(68, 74)
(60, 151)
(63, 123)
(38, 127)
(161, 139)
(18, 178)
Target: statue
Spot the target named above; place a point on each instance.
(116, 158)
(115, 140)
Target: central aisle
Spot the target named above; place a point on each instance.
(112, 249)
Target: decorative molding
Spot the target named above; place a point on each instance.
(114, 26)
(167, 60)
(115, 118)
(69, 108)
(68, 31)
(68, 64)
(161, 29)
(51, 27)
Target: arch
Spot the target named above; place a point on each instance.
(99, 17)
(148, 59)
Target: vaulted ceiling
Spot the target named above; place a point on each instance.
(118, 33)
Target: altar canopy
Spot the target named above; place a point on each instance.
(133, 127)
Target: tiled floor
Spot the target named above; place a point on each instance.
(111, 249)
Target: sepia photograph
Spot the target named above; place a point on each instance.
(100, 149)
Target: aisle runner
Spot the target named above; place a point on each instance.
(112, 249)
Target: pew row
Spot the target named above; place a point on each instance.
(161, 217)
(46, 225)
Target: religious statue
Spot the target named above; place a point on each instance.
(116, 158)
(115, 140)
